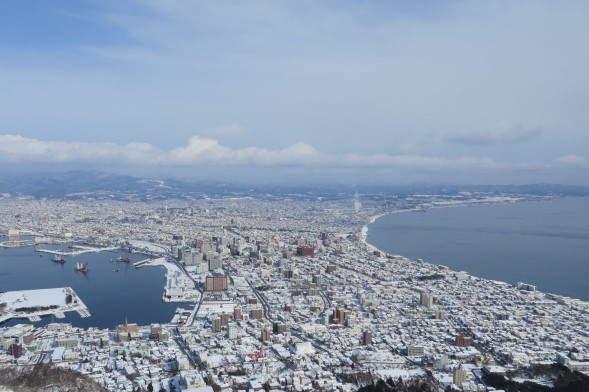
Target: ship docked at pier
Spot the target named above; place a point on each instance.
(58, 259)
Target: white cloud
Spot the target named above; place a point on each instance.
(15, 148)
(212, 159)
(573, 160)
(202, 151)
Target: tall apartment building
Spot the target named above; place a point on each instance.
(366, 338)
(266, 335)
(426, 299)
(459, 376)
(231, 331)
(256, 313)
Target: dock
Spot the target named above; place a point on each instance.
(141, 263)
(77, 250)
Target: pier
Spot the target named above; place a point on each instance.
(79, 249)
(142, 263)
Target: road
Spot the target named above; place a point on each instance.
(180, 342)
(262, 299)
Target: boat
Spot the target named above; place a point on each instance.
(82, 267)
(58, 259)
(123, 259)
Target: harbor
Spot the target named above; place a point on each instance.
(103, 277)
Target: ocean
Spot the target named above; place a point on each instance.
(111, 296)
(544, 243)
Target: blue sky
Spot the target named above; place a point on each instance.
(342, 91)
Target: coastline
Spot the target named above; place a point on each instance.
(178, 287)
(364, 230)
(363, 238)
(491, 200)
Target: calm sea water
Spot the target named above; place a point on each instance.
(542, 243)
(111, 297)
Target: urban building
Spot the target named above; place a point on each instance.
(459, 376)
(237, 314)
(463, 341)
(426, 299)
(366, 338)
(231, 331)
(216, 283)
(306, 251)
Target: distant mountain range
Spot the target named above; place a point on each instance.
(81, 184)
(99, 185)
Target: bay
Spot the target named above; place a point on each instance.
(112, 291)
(542, 243)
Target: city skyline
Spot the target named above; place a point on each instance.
(371, 92)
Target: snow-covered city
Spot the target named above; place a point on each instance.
(287, 295)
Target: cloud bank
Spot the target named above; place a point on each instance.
(205, 151)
